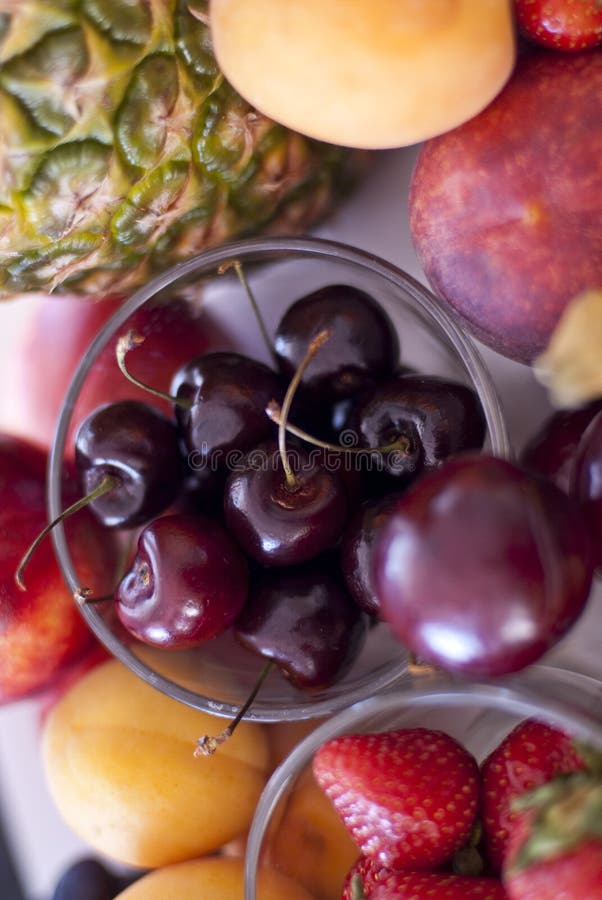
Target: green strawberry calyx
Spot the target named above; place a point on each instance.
(565, 813)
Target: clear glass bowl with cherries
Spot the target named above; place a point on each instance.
(415, 792)
(233, 497)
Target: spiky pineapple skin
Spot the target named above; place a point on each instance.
(123, 150)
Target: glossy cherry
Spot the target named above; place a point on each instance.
(363, 345)
(187, 583)
(357, 550)
(228, 393)
(586, 483)
(304, 619)
(551, 450)
(481, 567)
(279, 525)
(423, 418)
(137, 446)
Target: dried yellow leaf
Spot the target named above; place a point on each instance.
(571, 366)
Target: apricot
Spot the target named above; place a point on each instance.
(309, 842)
(371, 75)
(307, 839)
(120, 766)
(211, 879)
(284, 736)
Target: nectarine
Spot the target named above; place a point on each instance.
(505, 211)
(41, 629)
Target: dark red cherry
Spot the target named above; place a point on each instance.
(423, 418)
(340, 413)
(229, 393)
(138, 446)
(586, 483)
(480, 567)
(357, 547)
(304, 619)
(362, 345)
(188, 582)
(551, 450)
(278, 525)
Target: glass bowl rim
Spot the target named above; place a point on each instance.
(318, 248)
(509, 694)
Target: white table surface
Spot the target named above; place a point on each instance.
(375, 219)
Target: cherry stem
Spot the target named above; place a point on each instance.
(237, 266)
(83, 596)
(107, 484)
(313, 348)
(274, 412)
(419, 668)
(130, 341)
(207, 745)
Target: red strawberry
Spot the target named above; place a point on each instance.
(408, 797)
(530, 755)
(369, 881)
(561, 24)
(556, 852)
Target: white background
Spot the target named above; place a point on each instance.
(375, 219)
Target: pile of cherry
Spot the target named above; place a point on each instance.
(334, 488)
(429, 822)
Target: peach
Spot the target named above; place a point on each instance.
(211, 879)
(371, 75)
(309, 842)
(119, 761)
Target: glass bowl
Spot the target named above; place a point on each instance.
(219, 676)
(479, 715)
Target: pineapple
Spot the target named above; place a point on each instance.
(123, 149)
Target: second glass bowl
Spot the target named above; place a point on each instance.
(478, 715)
(218, 676)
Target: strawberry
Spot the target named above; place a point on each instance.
(369, 881)
(408, 797)
(532, 754)
(556, 852)
(561, 24)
